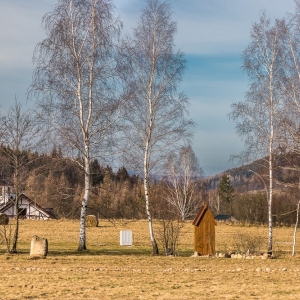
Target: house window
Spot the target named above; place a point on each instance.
(22, 212)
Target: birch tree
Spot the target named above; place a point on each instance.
(156, 113)
(257, 118)
(183, 181)
(289, 134)
(74, 81)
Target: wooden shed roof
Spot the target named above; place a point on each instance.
(201, 212)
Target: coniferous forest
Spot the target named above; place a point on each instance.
(54, 181)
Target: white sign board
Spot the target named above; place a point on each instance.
(126, 238)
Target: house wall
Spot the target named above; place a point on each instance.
(31, 211)
(205, 235)
(10, 211)
(4, 196)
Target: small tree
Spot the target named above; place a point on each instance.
(183, 181)
(19, 135)
(226, 191)
(6, 236)
(168, 234)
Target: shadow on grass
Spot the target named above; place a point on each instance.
(103, 226)
(94, 250)
(111, 252)
(102, 251)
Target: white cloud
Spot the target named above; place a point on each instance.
(218, 26)
(214, 26)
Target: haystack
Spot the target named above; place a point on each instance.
(91, 221)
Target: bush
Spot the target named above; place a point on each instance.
(168, 234)
(245, 242)
(6, 236)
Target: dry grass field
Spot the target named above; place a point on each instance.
(110, 271)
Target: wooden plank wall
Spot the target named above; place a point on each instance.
(205, 235)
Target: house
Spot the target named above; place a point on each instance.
(5, 190)
(225, 218)
(204, 224)
(27, 209)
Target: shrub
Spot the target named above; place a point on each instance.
(168, 234)
(245, 242)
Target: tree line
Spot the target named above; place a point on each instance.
(57, 182)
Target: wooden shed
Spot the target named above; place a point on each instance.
(204, 231)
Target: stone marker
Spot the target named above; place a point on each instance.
(39, 247)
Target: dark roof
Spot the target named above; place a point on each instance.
(224, 218)
(50, 212)
(5, 182)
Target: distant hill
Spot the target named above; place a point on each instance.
(241, 178)
(245, 178)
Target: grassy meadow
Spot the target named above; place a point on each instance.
(110, 271)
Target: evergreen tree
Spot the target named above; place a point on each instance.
(122, 174)
(96, 173)
(226, 192)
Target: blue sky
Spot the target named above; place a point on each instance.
(211, 33)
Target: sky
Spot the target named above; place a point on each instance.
(211, 33)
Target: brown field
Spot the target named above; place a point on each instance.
(110, 271)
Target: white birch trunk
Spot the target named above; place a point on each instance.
(271, 139)
(295, 230)
(17, 191)
(270, 196)
(82, 230)
(149, 216)
(147, 200)
(146, 154)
